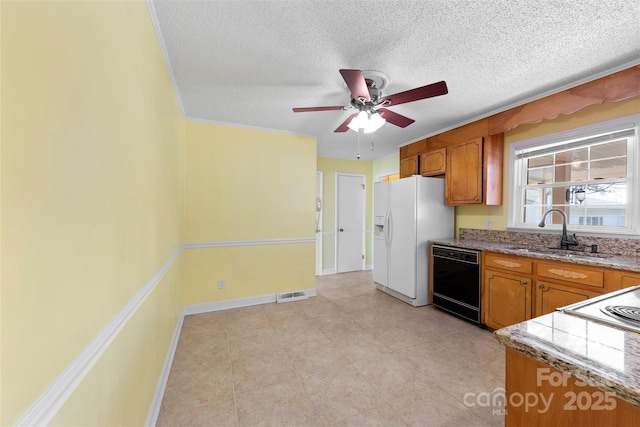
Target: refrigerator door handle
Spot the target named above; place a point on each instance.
(389, 228)
(386, 228)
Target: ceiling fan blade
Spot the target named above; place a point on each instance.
(356, 84)
(395, 118)
(343, 127)
(423, 92)
(308, 109)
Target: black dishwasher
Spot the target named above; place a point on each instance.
(456, 281)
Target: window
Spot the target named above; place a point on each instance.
(590, 173)
(392, 177)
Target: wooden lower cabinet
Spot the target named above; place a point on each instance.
(579, 274)
(550, 296)
(518, 288)
(629, 279)
(506, 298)
(566, 404)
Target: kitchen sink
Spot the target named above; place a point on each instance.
(559, 252)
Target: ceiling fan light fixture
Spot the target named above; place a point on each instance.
(368, 122)
(375, 122)
(359, 121)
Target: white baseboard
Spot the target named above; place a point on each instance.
(234, 303)
(154, 410)
(227, 304)
(333, 270)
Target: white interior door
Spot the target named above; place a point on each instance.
(350, 247)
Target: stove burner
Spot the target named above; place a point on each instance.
(623, 312)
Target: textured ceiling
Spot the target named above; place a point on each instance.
(248, 63)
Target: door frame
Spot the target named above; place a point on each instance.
(364, 219)
(319, 218)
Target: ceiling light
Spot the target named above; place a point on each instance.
(375, 122)
(367, 122)
(359, 121)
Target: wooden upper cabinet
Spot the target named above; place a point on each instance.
(463, 182)
(433, 162)
(409, 166)
(472, 169)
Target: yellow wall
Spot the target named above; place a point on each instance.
(329, 167)
(118, 390)
(475, 216)
(246, 184)
(91, 204)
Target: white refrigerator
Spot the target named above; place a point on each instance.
(408, 213)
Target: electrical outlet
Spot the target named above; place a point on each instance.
(488, 223)
(221, 284)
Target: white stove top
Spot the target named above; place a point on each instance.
(626, 302)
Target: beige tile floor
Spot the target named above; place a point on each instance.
(351, 356)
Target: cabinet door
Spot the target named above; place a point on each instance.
(550, 296)
(506, 299)
(409, 166)
(433, 162)
(629, 280)
(464, 174)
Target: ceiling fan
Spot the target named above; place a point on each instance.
(367, 98)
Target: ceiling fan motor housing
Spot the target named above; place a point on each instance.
(374, 92)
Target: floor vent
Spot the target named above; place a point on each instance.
(291, 296)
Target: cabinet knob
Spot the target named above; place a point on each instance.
(541, 286)
(524, 282)
(477, 198)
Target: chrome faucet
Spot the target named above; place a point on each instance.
(565, 241)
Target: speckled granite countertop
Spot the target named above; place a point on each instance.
(604, 357)
(523, 248)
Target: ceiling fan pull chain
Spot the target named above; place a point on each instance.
(372, 140)
(358, 156)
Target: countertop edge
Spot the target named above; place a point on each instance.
(585, 371)
(616, 262)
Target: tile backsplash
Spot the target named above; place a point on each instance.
(609, 245)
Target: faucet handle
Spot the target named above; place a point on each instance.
(574, 240)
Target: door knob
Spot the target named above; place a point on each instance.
(341, 230)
